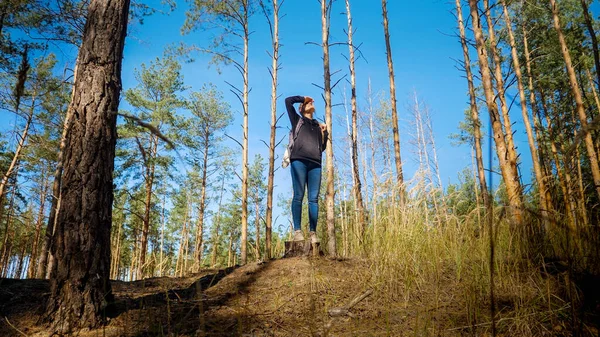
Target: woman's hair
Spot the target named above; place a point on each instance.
(301, 109)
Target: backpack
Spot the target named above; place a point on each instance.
(288, 150)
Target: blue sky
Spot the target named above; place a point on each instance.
(424, 52)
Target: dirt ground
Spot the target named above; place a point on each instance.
(288, 297)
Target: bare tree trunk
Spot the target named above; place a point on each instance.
(390, 62)
(507, 167)
(357, 183)
(244, 239)
(575, 90)
(537, 169)
(508, 133)
(38, 227)
(330, 194)
(201, 208)
(274, 27)
(150, 172)
(80, 287)
(476, 122)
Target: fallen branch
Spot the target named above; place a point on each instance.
(345, 310)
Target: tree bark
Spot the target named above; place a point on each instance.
(507, 167)
(357, 183)
(390, 62)
(476, 122)
(272, 141)
(576, 91)
(537, 168)
(330, 194)
(80, 287)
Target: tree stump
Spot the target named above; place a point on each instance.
(302, 248)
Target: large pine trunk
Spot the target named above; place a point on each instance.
(330, 194)
(80, 287)
(244, 239)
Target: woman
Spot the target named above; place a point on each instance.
(305, 164)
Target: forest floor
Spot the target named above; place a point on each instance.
(284, 297)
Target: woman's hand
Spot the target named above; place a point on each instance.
(323, 128)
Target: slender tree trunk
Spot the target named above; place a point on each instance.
(215, 239)
(230, 257)
(80, 287)
(117, 254)
(575, 90)
(8, 243)
(589, 22)
(38, 227)
(390, 62)
(150, 172)
(562, 176)
(354, 135)
(179, 265)
(374, 175)
(476, 122)
(201, 208)
(257, 225)
(162, 238)
(18, 92)
(532, 99)
(272, 141)
(537, 168)
(507, 167)
(330, 194)
(510, 145)
(20, 260)
(244, 239)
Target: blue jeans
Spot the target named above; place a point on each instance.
(305, 173)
